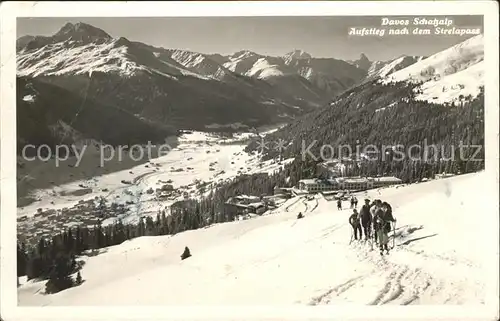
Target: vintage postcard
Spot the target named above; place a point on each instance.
(249, 160)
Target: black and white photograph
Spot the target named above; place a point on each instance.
(315, 160)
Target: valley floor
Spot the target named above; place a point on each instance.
(198, 159)
(446, 252)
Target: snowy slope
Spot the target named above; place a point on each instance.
(380, 69)
(304, 74)
(150, 80)
(250, 64)
(443, 255)
(264, 69)
(448, 74)
(452, 87)
(255, 80)
(383, 68)
(66, 57)
(200, 64)
(294, 55)
(241, 61)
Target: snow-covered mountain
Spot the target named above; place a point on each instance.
(201, 64)
(329, 74)
(158, 84)
(326, 74)
(378, 113)
(447, 76)
(294, 55)
(380, 69)
(276, 259)
(169, 84)
(276, 72)
(362, 62)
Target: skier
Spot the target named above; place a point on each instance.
(387, 208)
(355, 202)
(339, 204)
(383, 218)
(352, 201)
(354, 221)
(366, 218)
(374, 207)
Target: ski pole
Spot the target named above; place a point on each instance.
(352, 236)
(393, 234)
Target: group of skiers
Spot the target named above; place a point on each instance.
(374, 221)
(354, 203)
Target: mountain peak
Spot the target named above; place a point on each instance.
(244, 54)
(363, 62)
(81, 31)
(296, 55)
(363, 57)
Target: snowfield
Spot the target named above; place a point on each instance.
(450, 88)
(263, 69)
(57, 59)
(446, 252)
(447, 74)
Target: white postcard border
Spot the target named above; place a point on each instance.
(10, 10)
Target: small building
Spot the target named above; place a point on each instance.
(285, 191)
(235, 209)
(270, 201)
(244, 199)
(256, 208)
(167, 187)
(243, 204)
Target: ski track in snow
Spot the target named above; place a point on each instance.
(400, 283)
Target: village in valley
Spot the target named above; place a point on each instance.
(329, 180)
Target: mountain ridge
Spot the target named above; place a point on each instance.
(275, 90)
(403, 108)
(449, 75)
(171, 85)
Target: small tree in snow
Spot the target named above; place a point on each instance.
(186, 253)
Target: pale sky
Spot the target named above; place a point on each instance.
(322, 37)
